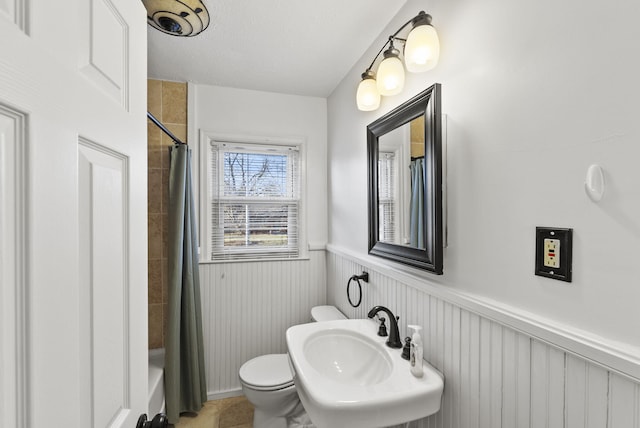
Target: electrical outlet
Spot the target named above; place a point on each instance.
(553, 253)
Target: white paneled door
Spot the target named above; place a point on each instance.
(73, 240)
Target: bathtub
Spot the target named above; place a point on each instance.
(156, 382)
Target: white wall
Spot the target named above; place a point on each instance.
(495, 375)
(534, 92)
(248, 306)
(265, 114)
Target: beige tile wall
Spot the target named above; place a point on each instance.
(167, 101)
(417, 136)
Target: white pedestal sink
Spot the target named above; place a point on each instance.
(347, 377)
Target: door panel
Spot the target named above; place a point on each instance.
(13, 11)
(84, 261)
(104, 297)
(12, 270)
(104, 58)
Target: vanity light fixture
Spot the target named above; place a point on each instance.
(390, 72)
(183, 18)
(421, 53)
(368, 95)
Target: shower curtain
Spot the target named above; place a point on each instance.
(416, 221)
(185, 385)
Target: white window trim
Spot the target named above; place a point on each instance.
(401, 148)
(206, 137)
(395, 198)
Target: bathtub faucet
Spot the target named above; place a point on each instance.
(394, 334)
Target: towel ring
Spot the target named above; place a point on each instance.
(357, 278)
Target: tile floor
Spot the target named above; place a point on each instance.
(234, 412)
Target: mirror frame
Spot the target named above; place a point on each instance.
(431, 257)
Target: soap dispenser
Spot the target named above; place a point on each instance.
(415, 359)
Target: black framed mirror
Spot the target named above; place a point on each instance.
(405, 163)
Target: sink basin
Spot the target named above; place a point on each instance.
(346, 357)
(346, 376)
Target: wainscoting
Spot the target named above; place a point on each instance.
(247, 308)
(495, 376)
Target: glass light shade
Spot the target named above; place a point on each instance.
(422, 50)
(368, 97)
(177, 18)
(390, 76)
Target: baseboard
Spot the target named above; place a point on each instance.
(224, 394)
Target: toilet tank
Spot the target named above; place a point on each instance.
(326, 313)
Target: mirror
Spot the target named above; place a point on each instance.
(404, 150)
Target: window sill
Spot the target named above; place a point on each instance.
(217, 262)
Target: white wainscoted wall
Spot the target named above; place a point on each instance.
(247, 308)
(495, 376)
(524, 123)
(523, 126)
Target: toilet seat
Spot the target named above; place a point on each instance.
(267, 373)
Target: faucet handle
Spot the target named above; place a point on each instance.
(406, 349)
(382, 331)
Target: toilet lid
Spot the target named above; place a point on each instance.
(267, 371)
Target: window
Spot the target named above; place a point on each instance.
(387, 197)
(255, 203)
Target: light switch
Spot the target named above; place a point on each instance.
(553, 253)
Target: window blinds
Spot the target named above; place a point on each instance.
(255, 201)
(386, 197)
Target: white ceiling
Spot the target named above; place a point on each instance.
(300, 47)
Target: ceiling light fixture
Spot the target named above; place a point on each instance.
(421, 53)
(184, 18)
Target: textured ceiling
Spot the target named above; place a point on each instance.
(300, 47)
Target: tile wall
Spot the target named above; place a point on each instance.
(167, 101)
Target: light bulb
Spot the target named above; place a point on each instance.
(422, 50)
(367, 96)
(390, 74)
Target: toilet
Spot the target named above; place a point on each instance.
(267, 382)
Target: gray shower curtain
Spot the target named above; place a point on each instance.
(417, 203)
(185, 385)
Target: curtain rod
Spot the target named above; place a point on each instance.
(164, 128)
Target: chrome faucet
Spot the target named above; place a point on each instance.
(394, 334)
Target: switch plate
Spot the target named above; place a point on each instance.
(553, 253)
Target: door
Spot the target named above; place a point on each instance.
(73, 241)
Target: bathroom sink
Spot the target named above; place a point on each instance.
(347, 377)
(347, 357)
